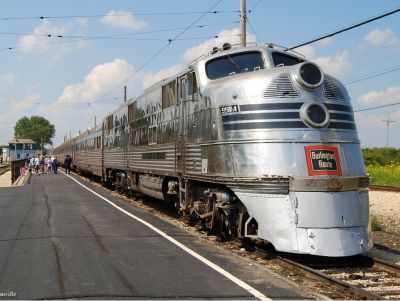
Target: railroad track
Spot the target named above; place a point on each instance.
(384, 188)
(358, 277)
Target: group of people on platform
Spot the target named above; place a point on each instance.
(43, 164)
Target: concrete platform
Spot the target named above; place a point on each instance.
(59, 240)
(5, 180)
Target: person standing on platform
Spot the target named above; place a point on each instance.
(37, 165)
(67, 163)
(54, 164)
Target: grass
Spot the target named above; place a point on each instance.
(388, 175)
(375, 225)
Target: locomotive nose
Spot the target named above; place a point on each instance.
(309, 75)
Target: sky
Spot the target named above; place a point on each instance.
(69, 60)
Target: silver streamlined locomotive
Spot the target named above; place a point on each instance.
(254, 141)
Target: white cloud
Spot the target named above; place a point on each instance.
(381, 37)
(391, 94)
(325, 42)
(337, 65)
(123, 19)
(100, 80)
(148, 79)
(46, 40)
(25, 104)
(372, 128)
(16, 109)
(7, 80)
(45, 35)
(226, 36)
(308, 51)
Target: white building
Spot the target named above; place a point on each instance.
(20, 148)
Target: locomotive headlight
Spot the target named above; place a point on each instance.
(315, 114)
(309, 75)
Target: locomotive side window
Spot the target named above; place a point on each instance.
(110, 122)
(131, 112)
(235, 63)
(97, 142)
(152, 135)
(168, 95)
(281, 59)
(192, 86)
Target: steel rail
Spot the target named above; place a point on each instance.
(384, 188)
(356, 292)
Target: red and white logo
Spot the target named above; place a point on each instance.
(323, 160)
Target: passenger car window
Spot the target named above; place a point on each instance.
(235, 63)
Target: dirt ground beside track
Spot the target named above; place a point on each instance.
(385, 208)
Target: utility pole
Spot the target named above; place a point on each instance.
(243, 23)
(388, 122)
(15, 149)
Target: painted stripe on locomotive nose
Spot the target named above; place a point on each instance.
(204, 260)
(271, 106)
(342, 125)
(264, 125)
(340, 116)
(336, 107)
(255, 116)
(266, 120)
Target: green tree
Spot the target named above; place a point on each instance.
(36, 128)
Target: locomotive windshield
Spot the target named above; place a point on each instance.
(236, 63)
(281, 59)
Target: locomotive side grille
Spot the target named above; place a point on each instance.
(332, 91)
(281, 87)
(283, 116)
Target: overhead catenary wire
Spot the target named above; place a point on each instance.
(346, 29)
(377, 107)
(118, 15)
(153, 57)
(73, 39)
(372, 76)
(162, 49)
(52, 35)
(254, 6)
(132, 39)
(338, 32)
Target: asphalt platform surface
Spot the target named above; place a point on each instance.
(58, 240)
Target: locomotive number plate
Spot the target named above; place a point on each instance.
(229, 109)
(323, 160)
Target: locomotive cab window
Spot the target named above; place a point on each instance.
(281, 59)
(234, 63)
